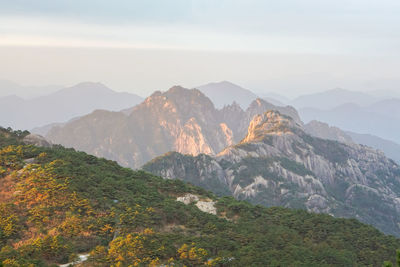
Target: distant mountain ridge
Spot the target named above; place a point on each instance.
(179, 119)
(333, 98)
(225, 93)
(62, 105)
(378, 119)
(8, 88)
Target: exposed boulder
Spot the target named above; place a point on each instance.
(37, 140)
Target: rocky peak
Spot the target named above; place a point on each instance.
(270, 123)
(187, 103)
(179, 119)
(259, 106)
(178, 93)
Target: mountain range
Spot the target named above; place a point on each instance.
(307, 157)
(62, 105)
(332, 98)
(331, 106)
(379, 119)
(270, 159)
(60, 207)
(8, 88)
(179, 119)
(279, 164)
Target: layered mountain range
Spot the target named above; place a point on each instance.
(267, 158)
(279, 164)
(179, 120)
(62, 105)
(380, 119)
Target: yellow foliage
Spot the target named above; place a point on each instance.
(192, 254)
(148, 231)
(10, 263)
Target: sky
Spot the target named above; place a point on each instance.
(288, 47)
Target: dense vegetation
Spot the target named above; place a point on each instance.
(56, 203)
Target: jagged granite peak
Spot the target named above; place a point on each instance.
(238, 119)
(185, 102)
(278, 164)
(270, 122)
(179, 119)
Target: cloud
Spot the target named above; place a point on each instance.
(17, 31)
(290, 26)
(62, 32)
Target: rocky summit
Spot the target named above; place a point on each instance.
(279, 164)
(179, 120)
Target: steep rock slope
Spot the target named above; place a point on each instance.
(278, 164)
(238, 119)
(391, 149)
(179, 120)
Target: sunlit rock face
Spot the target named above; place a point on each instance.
(179, 120)
(278, 164)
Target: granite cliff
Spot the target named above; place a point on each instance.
(279, 164)
(179, 120)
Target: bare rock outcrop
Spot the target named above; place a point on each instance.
(205, 206)
(37, 140)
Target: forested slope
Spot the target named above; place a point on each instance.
(56, 203)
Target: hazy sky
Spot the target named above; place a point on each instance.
(285, 46)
